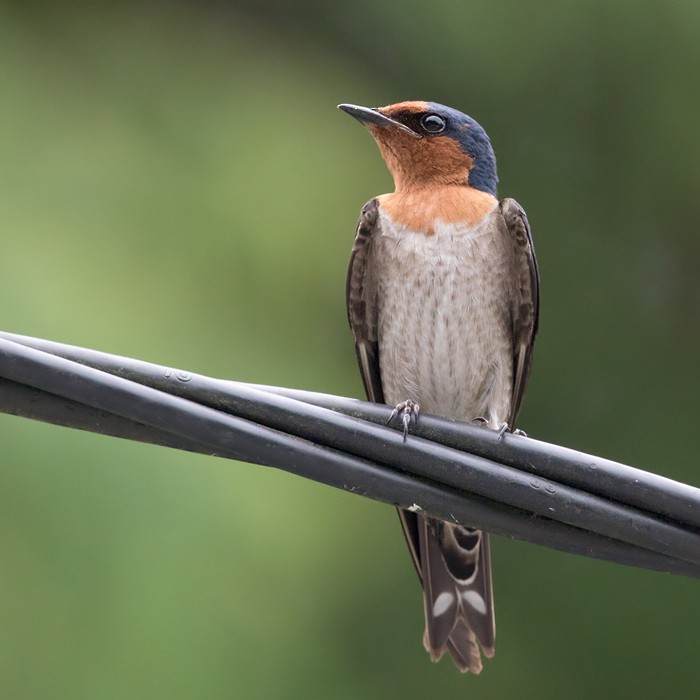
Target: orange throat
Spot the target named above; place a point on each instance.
(419, 209)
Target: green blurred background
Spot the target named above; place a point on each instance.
(176, 185)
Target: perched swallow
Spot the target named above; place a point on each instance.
(443, 302)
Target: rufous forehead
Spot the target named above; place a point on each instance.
(414, 107)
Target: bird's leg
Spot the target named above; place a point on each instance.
(407, 409)
(505, 428)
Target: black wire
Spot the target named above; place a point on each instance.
(628, 485)
(269, 428)
(619, 482)
(612, 480)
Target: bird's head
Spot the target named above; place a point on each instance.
(426, 144)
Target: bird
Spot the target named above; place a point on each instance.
(442, 298)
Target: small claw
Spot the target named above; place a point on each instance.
(503, 429)
(407, 409)
(522, 433)
(480, 420)
(406, 419)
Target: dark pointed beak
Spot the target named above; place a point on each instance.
(367, 115)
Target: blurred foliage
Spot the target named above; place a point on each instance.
(176, 185)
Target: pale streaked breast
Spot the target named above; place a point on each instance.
(444, 332)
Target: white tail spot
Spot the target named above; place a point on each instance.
(443, 603)
(474, 600)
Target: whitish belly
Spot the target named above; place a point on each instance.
(443, 332)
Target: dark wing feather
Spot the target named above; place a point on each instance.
(526, 306)
(361, 299)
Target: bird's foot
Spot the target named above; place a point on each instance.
(505, 428)
(407, 410)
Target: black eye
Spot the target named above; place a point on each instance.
(433, 123)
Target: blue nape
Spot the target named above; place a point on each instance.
(475, 143)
